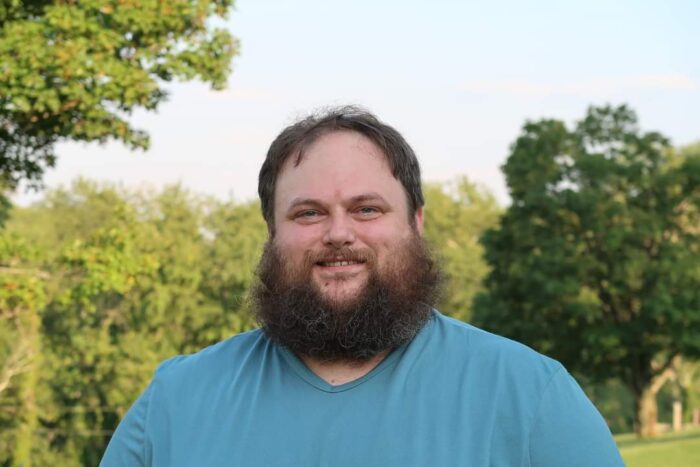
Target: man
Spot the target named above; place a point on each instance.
(352, 366)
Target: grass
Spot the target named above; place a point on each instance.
(669, 450)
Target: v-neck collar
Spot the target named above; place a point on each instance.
(319, 383)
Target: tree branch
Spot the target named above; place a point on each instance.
(20, 361)
(22, 271)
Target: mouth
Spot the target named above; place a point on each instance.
(334, 268)
(338, 263)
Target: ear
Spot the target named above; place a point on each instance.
(418, 219)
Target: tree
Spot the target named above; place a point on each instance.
(128, 280)
(77, 70)
(597, 260)
(237, 234)
(457, 213)
(22, 295)
(96, 347)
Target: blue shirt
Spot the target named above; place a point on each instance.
(453, 396)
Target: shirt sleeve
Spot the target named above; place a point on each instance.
(568, 430)
(128, 446)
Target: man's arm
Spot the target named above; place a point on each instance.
(568, 430)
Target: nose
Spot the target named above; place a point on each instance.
(340, 231)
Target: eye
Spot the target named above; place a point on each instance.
(307, 216)
(368, 212)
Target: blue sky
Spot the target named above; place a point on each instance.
(457, 78)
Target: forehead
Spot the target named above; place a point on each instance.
(338, 165)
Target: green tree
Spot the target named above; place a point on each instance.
(597, 260)
(237, 233)
(65, 215)
(77, 70)
(457, 213)
(22, 296)
(97, 347)
(130, 279)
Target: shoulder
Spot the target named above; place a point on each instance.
(529, 388)
(483, 348)
(214, 361)
(498, 361)
(179, 383)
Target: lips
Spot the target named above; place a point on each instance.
(341, 260)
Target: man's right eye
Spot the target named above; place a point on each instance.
(307, 214)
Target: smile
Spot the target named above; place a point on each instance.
(337, 263)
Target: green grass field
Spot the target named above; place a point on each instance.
(669, 450)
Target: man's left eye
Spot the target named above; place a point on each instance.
(366, 210)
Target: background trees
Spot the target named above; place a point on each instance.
(115, 282)
(22, 296)
(457, 214)
(76, 71)
(86, 275)
(597, 260)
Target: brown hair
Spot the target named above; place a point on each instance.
(296, 137)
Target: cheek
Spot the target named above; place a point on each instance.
(385, 236)
(293, 243)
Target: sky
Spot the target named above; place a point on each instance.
(457, 78)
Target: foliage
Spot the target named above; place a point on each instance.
(77, 70)
(130, 279)
(597, 260)
(456, 215)
(614, 401)
(22, 295)
(239, 233)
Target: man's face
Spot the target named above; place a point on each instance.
(341, 213)
(346, 276)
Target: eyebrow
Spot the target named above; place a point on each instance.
(372, 196)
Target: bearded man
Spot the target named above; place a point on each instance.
(351, 365)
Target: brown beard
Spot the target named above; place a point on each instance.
(387, 312)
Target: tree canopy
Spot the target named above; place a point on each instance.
(597, 260)
(97, 286)
(77, 70)
(456, 215)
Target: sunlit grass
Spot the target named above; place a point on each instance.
(669, 450)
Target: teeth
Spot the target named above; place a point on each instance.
(339, 263)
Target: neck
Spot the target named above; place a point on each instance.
(344, 371)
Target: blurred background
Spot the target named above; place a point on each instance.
(560, 148)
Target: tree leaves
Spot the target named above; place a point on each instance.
(597, 261)
(76, 71)
(456, 215)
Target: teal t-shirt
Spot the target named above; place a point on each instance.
(453, 396)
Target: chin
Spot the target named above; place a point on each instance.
(341, 291)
